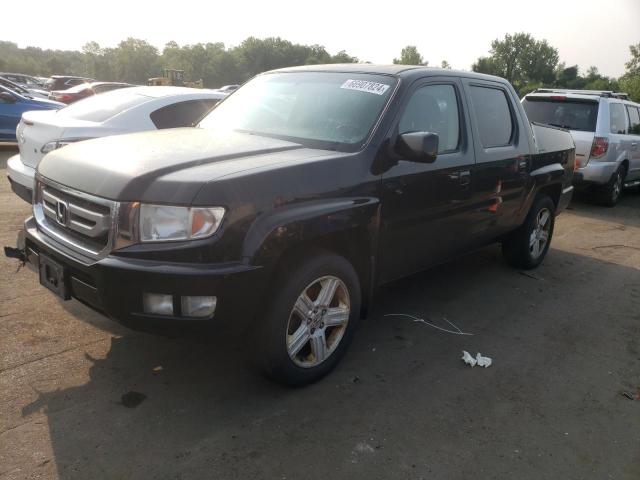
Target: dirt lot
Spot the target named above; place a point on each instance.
(565, 342)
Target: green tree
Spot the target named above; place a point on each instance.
(444, 64)
(135, 60)
(630, 81)
(633, 65)
(521, 59)
(410, 56)
(343, 57)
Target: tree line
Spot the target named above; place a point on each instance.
(526, 62)
(134, 60)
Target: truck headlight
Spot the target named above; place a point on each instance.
(160, 223)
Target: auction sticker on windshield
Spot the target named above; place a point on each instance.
(364, 86)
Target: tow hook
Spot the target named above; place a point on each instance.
(11, 252)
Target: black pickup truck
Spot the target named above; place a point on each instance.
(296, 198)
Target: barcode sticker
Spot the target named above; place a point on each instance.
(364, 86)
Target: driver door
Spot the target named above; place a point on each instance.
(426, 212)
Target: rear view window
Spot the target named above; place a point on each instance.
(493, 116)
(618, 118)
(99, 108)
(564, 113)
(183, 114)
(634, 120)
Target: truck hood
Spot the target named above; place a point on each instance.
(165, 166)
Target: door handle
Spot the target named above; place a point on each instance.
(463, 176)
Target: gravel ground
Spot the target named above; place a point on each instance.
(565, 340)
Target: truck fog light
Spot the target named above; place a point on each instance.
(157, 303)
(198, 307)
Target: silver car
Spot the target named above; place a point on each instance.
(605, 127)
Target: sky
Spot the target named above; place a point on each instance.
(586, 32)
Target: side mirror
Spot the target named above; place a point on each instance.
(6, 97)
(418, 146)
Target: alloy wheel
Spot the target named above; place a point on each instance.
(540, 235)
(318, 321)
(617, 186)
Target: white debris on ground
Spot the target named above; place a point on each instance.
(483, 361)
(478, 360)
(468, 359)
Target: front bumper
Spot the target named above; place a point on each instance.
(114, 285)
(595, 173)
(21, 177)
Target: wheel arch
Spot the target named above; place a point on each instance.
(346, 227)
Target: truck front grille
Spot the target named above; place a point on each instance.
(82, 222)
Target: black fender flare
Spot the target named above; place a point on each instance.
(270, 235)
(548, 175)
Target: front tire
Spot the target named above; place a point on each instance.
(526, 247)
(311, 320)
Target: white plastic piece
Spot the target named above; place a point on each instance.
(483, 361)
(468, 359)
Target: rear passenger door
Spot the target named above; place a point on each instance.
(619, 140)
(502, 157)
(425, 206)
(634, 134)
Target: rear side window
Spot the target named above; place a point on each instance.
(493, 116)
(561, 112)
(434, 108)
(618, 118)
(634, 120)
(182, 114)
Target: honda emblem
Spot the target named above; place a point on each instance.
(62, 213)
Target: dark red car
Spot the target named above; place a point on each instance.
(85, 90)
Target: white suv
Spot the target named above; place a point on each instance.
(606, 130)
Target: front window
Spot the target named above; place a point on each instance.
(317, 109)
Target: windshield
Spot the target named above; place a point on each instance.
(317, 109)
(563, 112)
(99, 108)
(14, 86)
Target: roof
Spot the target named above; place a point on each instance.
(20, 74)
(582, 92)
(166, 91)
(575, 96)
(93, 84)
(395, 70)
(70, 76)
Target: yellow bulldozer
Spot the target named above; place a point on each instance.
(175, 78)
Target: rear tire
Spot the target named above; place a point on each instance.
(528, 245)
(609, 194)
(311, 319)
